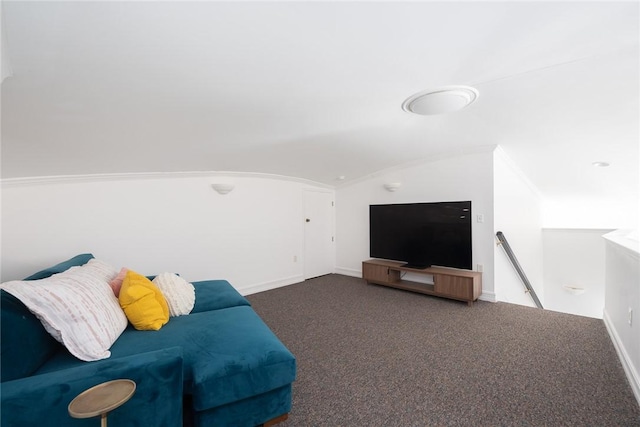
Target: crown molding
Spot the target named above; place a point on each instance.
(91, 178)
(414, 163)
(499, 152)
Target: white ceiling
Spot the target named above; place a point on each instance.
(314, 89)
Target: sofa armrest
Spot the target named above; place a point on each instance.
(42, 400)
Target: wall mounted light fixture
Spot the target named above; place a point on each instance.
(574, 290)
(392, 186)
(223, 188)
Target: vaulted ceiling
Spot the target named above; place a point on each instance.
(314, 89)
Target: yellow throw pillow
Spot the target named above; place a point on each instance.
(143, 303)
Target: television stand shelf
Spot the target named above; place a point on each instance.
(462, 285)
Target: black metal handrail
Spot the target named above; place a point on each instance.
(502, 241)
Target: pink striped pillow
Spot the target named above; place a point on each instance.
(77, 307)
(116, 282)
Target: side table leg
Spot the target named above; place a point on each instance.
(103, 420)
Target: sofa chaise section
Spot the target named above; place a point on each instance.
(230, 355)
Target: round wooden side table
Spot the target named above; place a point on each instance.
(101, 399)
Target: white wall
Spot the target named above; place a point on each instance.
(574, 258)
(464, 177)
(622, 293)
(601, 213)
(180, 224)
(517, 215)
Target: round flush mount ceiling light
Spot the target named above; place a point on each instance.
(439, 101)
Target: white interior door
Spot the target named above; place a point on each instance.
(319, 248)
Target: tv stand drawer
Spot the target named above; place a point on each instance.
(379, 273)
(458, 287)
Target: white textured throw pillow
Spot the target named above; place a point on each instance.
(179, 293)
(77, 307)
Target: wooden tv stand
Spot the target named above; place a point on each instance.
(462, 285)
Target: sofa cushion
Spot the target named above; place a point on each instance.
(216, 294)
(63, 266)
(229, 354)
(143, 302)
(26, 345)
(243, 358)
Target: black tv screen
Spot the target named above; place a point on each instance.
(422, 234)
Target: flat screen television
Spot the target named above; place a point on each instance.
(422, 234)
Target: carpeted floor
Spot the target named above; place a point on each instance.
(374, 356)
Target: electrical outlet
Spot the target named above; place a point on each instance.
(630, 320)
(480, 218)
(480, 267)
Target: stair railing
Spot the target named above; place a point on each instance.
(502, 241)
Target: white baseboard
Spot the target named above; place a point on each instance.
(267, 286)
(488, 296)
(286, 281)
(627, 364)
(353, 272)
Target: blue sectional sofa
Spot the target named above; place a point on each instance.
(218, 366)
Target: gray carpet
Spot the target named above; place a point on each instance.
(374, 356)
